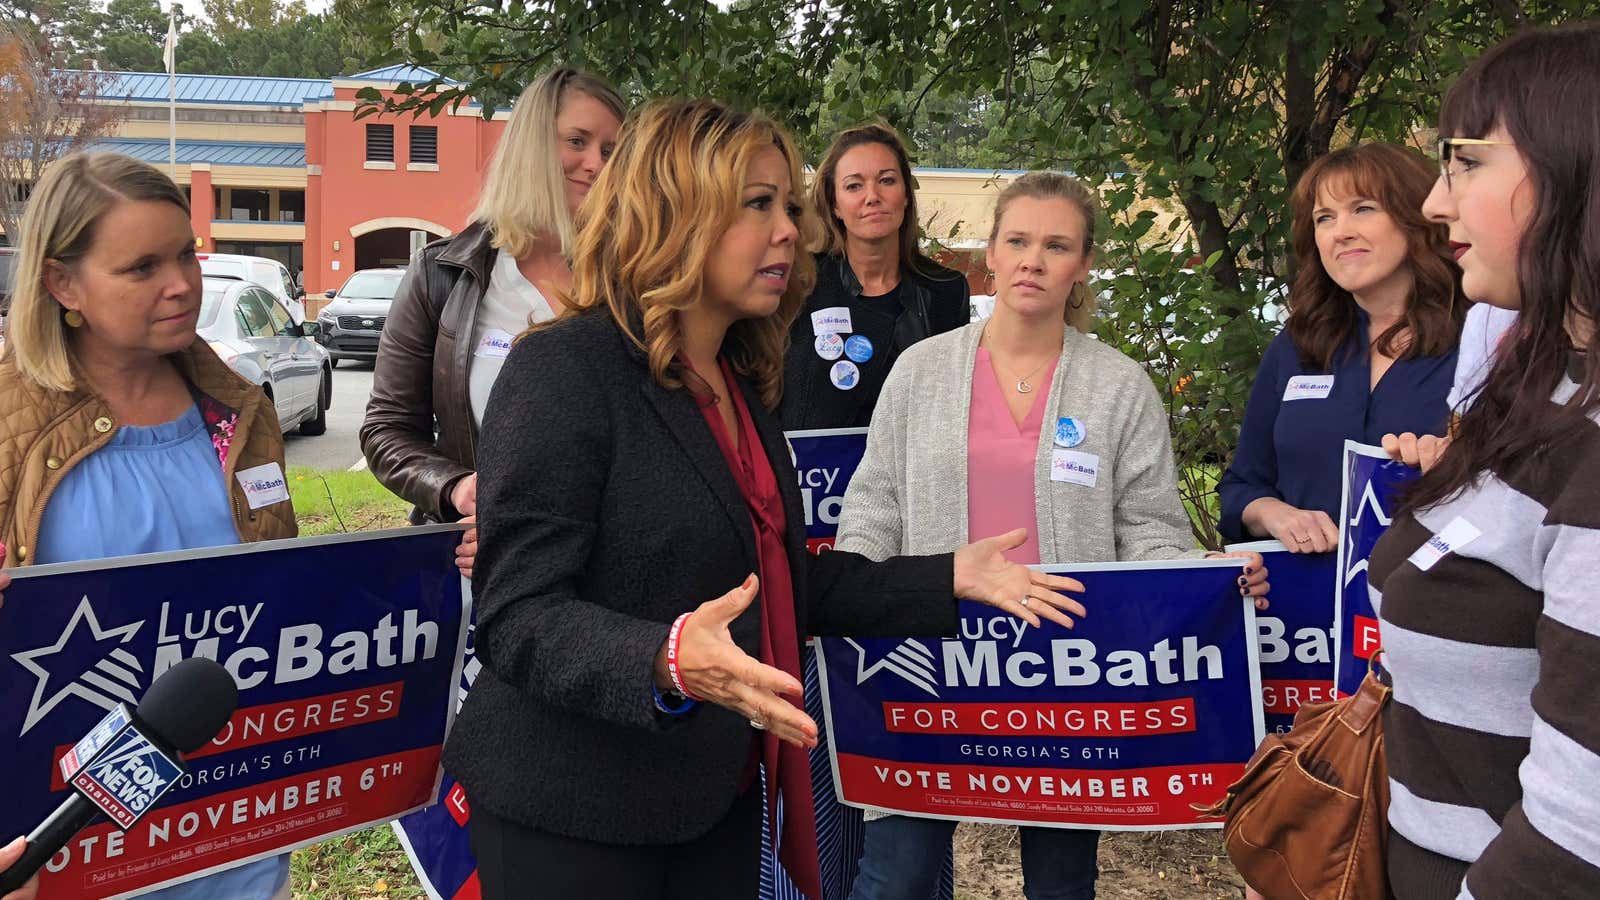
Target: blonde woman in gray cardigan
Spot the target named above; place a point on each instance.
(1021, 421)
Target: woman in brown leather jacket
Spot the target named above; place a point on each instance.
(121, 432)
(464, 299)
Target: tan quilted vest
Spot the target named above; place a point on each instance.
(43, 434)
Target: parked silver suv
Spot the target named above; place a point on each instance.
(351, 325)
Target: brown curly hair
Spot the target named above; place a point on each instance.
(1322, 315)
(653, 218)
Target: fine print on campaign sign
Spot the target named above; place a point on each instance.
(1149, 705)
(346, 651)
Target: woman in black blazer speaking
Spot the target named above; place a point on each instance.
(631, 473)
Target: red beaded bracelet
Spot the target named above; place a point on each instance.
(672, 656)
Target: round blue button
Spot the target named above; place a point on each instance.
(858, 348)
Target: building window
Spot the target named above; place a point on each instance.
(243, 205)
(380, 143)
(291, 206)
(425, 144)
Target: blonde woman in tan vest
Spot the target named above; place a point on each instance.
(121, 432)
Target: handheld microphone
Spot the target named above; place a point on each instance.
(124, 765)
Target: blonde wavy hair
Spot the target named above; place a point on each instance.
(75, 192)
(654, 217)
(1055, 186)
(524, 196)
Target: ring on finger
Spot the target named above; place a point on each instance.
(1024, 601)
(758, 723)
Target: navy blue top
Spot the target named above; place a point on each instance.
(1291, 449)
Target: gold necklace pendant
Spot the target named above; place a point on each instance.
(1023, 387)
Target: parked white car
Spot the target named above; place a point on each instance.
(252, 332)
(268, 273)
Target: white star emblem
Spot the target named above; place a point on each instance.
(910, 659)
(91, 685)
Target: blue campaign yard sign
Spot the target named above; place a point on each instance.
(1150, 704)
(825, 460)
(1296, 631)
(346, 650)
(1372, 487)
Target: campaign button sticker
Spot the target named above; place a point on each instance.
(858, 348)
(833, 320)
(1074, 467)
(844, 375)
(1308, 387)
(829, 346)
(264, 485)
(1069, 432)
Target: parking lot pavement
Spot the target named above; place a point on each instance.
(340, 447)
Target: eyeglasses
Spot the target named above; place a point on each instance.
(1447, 151)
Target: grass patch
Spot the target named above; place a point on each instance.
(368, 863)
(333, 502)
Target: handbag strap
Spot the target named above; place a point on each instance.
(1362, 709)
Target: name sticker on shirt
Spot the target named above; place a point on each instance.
(1074, 467)
(496, 344)
(833, 320)
(1450, 538)
(1308, 387)
(263, 485)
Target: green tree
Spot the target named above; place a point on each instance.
(1207, 110)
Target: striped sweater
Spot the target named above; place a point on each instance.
(1490, 610)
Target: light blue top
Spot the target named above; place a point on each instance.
(151, 489)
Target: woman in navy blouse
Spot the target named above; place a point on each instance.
(1369, 349)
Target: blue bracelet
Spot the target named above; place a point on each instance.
(661, 703)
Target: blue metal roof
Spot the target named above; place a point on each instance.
(398, 73)
(225, 153)
(152, 87)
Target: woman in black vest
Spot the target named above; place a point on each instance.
(877, 293)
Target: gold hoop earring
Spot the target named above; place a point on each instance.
(990, 282)
(73, 318)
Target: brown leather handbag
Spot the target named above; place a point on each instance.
(1309, 818)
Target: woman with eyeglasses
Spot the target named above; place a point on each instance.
(1485, 582)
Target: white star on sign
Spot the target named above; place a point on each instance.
(37, 710)
(910, 659)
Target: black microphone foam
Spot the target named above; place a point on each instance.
(189, 703)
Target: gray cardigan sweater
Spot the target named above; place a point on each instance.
(909, 495)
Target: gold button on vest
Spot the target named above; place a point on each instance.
(22, 553)
(103, 424)
(53, 462)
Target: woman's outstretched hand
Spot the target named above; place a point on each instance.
(985, 575)
(715, 670)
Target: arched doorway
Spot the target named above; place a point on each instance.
(387, 242)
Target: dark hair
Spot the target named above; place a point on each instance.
(1323, 315)
(1543, 88)
(823, 197)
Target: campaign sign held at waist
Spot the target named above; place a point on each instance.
(1296, 631)
(345, 650)
(1148, 705)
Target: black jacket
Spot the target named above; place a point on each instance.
(929, 306)
(605, 510)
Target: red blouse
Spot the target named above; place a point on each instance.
(788, 766)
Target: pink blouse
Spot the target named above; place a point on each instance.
(1000, 459)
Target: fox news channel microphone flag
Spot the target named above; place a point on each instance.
(1296, 632)
(1372, 487)
(346, 651)
(1148, 705)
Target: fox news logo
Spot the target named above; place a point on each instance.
(127, 778)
